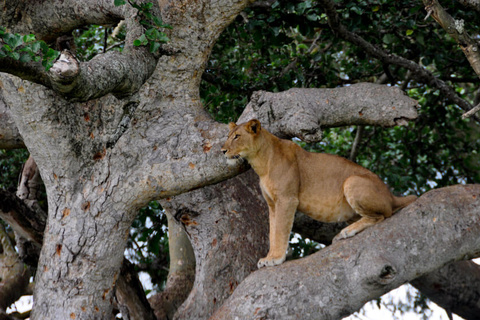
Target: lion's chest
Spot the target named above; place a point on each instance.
(322, 202)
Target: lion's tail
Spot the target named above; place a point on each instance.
(402, 202)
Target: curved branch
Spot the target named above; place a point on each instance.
(303, 112)
(119, 73)
(27, 17)
(440, 227)
(113, 72)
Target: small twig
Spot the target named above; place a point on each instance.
(429, 12)
(356, 143)
(471, 112)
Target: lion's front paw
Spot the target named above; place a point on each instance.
(344, 234)
(270, 262)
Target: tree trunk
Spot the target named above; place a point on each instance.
(228, 233)
(181, 274)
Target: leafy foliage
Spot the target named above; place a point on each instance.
(26, 48)
(147, 246)
(11, 162)
(153, 36)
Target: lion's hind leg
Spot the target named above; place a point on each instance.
(370, 198)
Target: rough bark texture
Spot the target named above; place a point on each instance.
(181, 273)
(121, 74)
(9, 136)
(228, 238)
(339, 279)
(131, 296)
(105, 157)
(303, 112)
(455, 287)
(14, 276)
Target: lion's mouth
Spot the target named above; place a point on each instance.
(234, 160)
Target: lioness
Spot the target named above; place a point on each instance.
(325, 187)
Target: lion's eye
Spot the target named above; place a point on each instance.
(236, 137)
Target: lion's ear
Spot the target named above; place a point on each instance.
(231, 126)
(253, 126)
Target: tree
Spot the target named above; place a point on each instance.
(110, 134)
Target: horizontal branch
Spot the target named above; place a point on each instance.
(455, 287)
(65, 16)
(113, 72)
(303, 112)
(440, 227)
(118, 73)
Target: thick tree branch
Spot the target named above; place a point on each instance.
(455, 287)
(181, 272)
(25, 17)
(440, 227)
(303, 112)
(119, 73)
(9, 136)
(456, 29)
(418, 73)
(14, 277)
(131, 296)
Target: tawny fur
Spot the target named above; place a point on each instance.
(325, 187)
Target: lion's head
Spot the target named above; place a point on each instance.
(241, 141)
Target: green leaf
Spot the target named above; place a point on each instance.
(154, 46)
(119, 2)
(35, 46)
(159, 23)
(13, 40)
(15, 55)
(409, 32)
(25, 57)
(389, 38)
(141, 41)
(28, 38)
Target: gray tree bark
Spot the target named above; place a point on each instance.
(341, 278)
(129, 128)
(228, 234)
